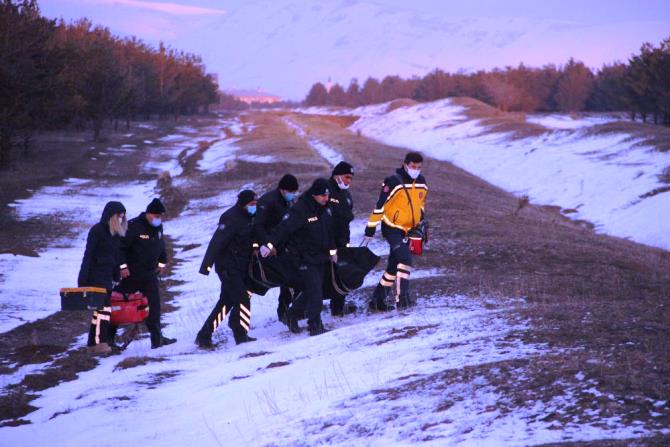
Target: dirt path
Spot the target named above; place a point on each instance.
(598, 303)
(50, 344)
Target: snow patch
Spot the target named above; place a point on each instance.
(557, 121)
(215, 158)
(601, 179)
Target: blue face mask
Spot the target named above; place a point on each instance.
(156, 222)
(251, 209)
(289, 196)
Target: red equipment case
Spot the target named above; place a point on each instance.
(129, 308)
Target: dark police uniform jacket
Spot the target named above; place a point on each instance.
(232, 243)
(307, 229)
(271, 209)
(143, 248)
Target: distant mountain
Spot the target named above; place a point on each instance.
(287, 45)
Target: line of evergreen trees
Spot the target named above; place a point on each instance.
(641, 87)
(54, 75)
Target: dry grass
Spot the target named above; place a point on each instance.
(497, 121)
(42, 340)
(640, 134)
(602, 298)
(398, 103)
(277, 364)
(250, 355)
(133, 362)
(405, 333)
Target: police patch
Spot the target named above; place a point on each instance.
(285, 217)
(222, 227)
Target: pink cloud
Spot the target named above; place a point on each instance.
(168, 8)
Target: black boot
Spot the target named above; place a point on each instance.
(204, 340)
(292, 322)
(316, 328)
(243, 339)
(241, 335)
(112, 339)
(281, 314)
(378, 302)
(157, 342)
(404, 300)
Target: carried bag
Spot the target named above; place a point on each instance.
(267, 273)
(129, 308)
(82, 298)
(353, 264)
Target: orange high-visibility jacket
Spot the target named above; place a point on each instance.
(393, 207)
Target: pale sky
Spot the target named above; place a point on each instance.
(284, 46)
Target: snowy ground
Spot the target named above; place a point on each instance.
(79, 203)
(290, 389)
(558, 121)
(601, 179)
(285, 389)
(281, 389)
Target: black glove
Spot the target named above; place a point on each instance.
(370, 231)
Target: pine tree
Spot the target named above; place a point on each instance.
(317, 96)
(574, 87)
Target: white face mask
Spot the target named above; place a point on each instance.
(340, 183)
(414, 173)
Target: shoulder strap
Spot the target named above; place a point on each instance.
(409, 198)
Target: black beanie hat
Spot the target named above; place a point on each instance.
(246, 196)
(156, 207)
(319, 187)
(343, 168)
(288, 183)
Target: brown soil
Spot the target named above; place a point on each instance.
(68, 155)
(600, 300)
(497, 121)
(133, 362)
(641, 134)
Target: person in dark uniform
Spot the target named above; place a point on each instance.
(342, 206)
(307, 230)
(272, 206)
(144, 258)
(100, 268)
(400, 208)
(229, 251)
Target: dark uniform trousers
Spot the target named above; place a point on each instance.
(148, 287)
(234, 300)
(101, 330)
(398, 269)
(310, 301)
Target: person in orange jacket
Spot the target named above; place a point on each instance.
(400, 208)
